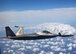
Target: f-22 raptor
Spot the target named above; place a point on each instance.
(33, 36)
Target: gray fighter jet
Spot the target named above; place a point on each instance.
(33, 36)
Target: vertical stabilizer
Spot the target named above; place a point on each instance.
(20, 31)
(9, 32)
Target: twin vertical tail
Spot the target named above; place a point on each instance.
(9, 32)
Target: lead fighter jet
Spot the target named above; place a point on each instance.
(33, 36)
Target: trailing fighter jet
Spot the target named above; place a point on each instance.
(33, 36)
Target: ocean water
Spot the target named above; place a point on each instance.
(56, 45)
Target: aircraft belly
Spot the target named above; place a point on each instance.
(32, 37)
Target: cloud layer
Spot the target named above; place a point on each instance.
(60, 45)
(65, 12)
(50, 14)
(64, 29)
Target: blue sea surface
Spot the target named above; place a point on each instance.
(56, 45)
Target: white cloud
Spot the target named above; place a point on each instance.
(55, 28)
(61, 53)
(70, 48)
(13, 16)
(35, 49)
(51, 45)
(67, 12)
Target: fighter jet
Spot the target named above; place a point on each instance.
(33, 36)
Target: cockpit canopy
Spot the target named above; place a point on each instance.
(45, 31)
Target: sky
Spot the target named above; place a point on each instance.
(35, 4)
(32, 12)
